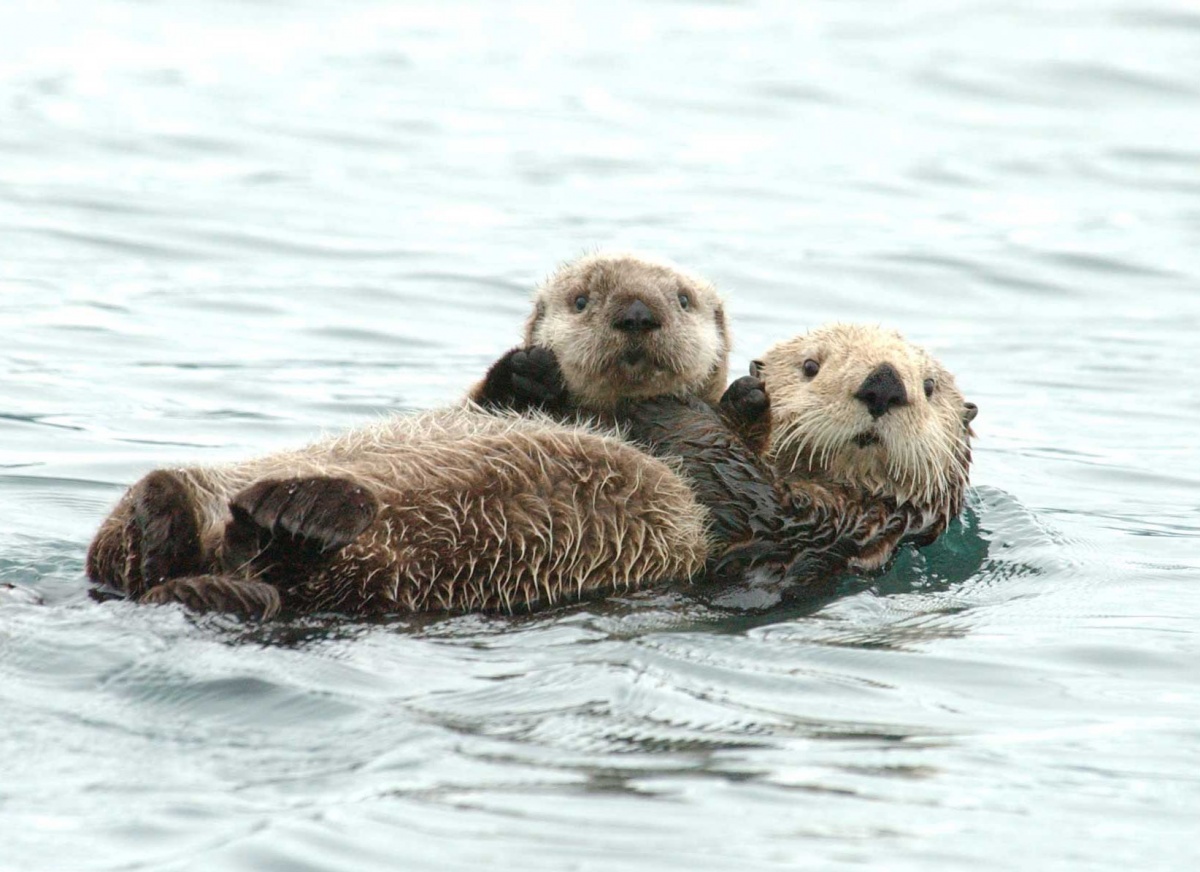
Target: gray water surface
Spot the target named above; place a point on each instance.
(227, 227)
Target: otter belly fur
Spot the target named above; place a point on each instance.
(474, 512)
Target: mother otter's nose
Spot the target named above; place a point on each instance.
(882, 390)
(636, 318)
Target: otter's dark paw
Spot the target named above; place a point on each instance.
(746, 408)
(254, 600)
(746, 399)
(523, 379)
(326, 513)
(537, 378)
(168, 534)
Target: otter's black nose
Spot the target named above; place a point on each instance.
(882, 390)
(636, 318)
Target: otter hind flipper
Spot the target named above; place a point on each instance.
(253, 600)
(320, 513)
(168, 535)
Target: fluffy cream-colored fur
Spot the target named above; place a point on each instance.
(918, 453)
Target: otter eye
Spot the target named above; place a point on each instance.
(581, 302)
(811, 368)
(684, 301)
(929, 387)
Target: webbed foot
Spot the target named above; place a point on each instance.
(165, 535)
(282, 526)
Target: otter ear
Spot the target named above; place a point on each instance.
(756, 367)
(534, 322)
(970, 410)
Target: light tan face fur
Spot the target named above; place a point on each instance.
(918, 450)
(686, 355)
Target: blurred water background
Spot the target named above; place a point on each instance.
(230, 226)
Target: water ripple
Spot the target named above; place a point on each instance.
(235, 226)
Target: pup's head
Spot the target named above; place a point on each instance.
(629, 327)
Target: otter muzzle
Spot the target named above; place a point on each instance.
(636, 318)
(882, 391)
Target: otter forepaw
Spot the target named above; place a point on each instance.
(746, 399)
(525, 378)
(254, 600)
(325, 512)
(168, 534)
(746, 408)
(537, 378)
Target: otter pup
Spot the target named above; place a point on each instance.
(610, 337)
(449, 510)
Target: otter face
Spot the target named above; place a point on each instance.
(859, 405)
(624, 327)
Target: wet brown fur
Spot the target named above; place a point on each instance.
(473, 512)
(476, 512)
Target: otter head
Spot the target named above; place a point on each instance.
(626, 327)
(859, 405)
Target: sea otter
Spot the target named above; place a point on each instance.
(343, 526)
(867, 435)
(362, 524)
(615, 339)
(449, 510)
(858, 411)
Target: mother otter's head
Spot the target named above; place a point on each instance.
(856, 404)
(627, 327)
